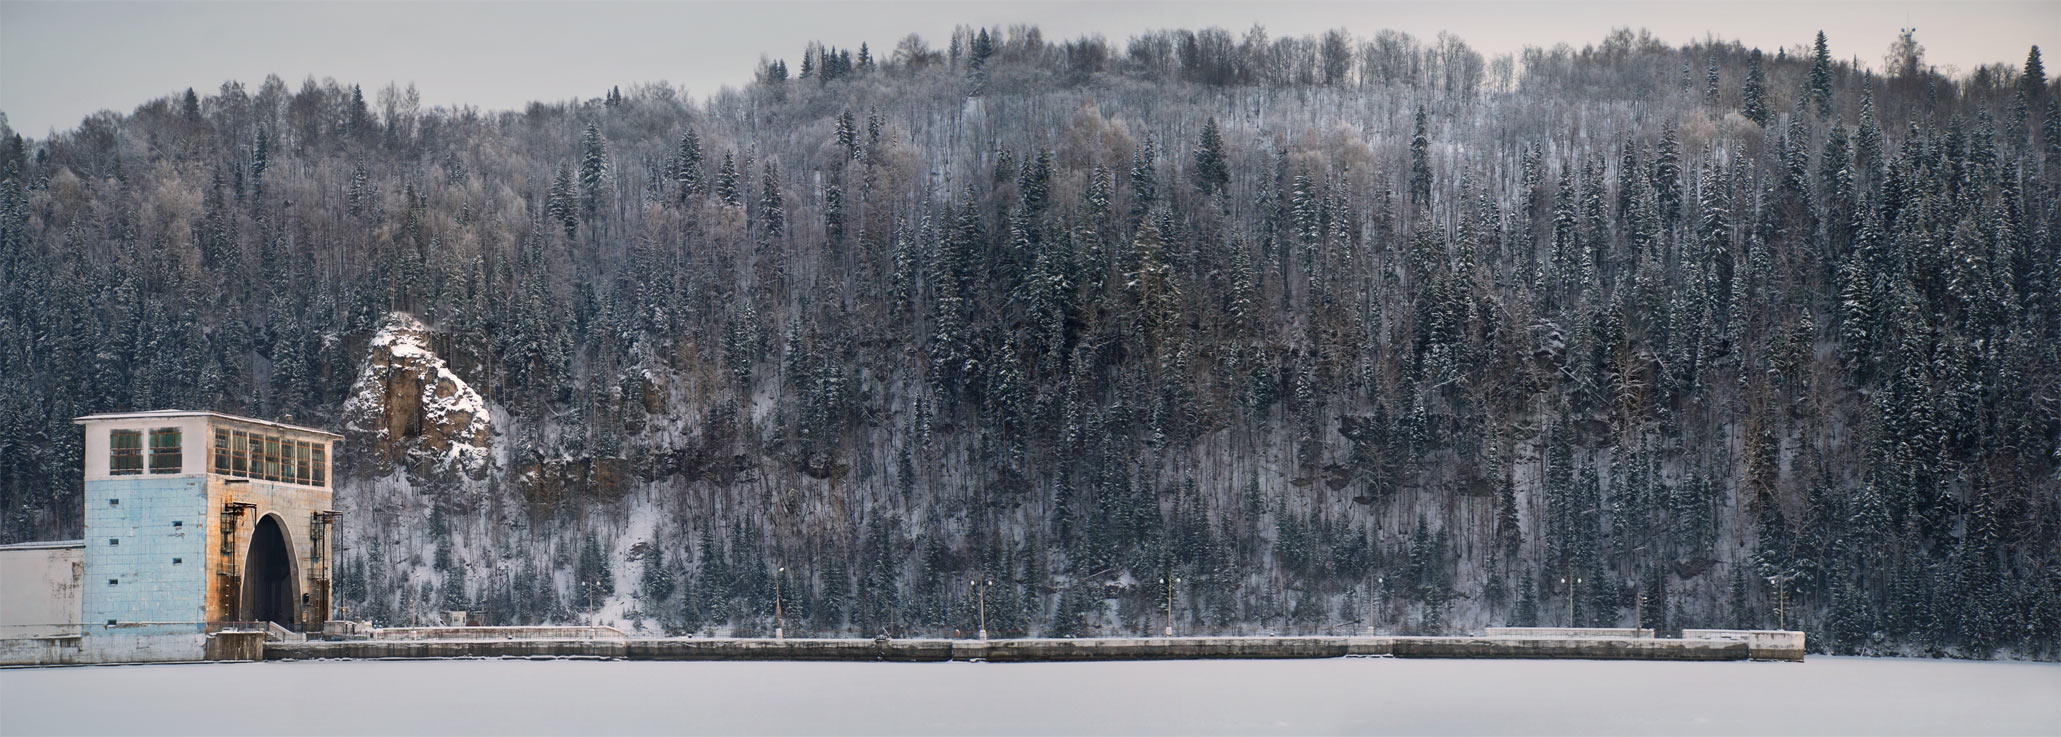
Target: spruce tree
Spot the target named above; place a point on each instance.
(726, 181)
(593, 170)
(1710, 81)
(1753, 97)
(772, 208)
(594, 578)
(561, 206)
(657, 578)
(1212, 172)
(1667, 175)
(687, 165)
(1144, 181)
(1820, 90)
(1420, 166)
(2031, 100)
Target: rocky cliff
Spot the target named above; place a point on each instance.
(408, 410)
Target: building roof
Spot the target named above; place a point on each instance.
(46, 545)
(168, 413)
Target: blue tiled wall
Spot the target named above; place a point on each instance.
(149, 586)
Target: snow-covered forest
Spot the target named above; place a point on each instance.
(1330, 332)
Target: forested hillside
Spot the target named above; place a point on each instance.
(1322, 329)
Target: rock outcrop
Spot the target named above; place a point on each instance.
(408, 409)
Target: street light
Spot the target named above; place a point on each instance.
(983, 591)
(1373, 591)
(1781, 582)
(779, 616)
(1169, 604)
(1570, 598)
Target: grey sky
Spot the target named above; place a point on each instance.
(60, 61)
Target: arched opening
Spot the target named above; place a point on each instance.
(270, 591)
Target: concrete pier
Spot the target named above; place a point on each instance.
(1729, 646)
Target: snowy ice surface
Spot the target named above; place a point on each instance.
(1334, 696)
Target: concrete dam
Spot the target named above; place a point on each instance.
(605, 643)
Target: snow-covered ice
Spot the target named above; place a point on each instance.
(1335, 696)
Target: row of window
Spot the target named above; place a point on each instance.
(271, 458)
(237, 453)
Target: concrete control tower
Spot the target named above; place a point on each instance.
(199, 517)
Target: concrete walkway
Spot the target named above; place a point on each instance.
(1726, 646)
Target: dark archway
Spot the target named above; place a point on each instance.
(270, 591)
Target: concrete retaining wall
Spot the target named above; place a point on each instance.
(1764, 644)
(235, 646)
(60, 650)
(1029, 650)
(1585, 648)
(1566, 632)
(499, 633)
(111, 645)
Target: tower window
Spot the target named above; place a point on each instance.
(321, 451)
(125, 452)
(164, 450)
(114, 502)
(176, 524)
(114, 582)
(114, 541)
(177, 561)
(239, 454)
(272, 457)
(222, 451)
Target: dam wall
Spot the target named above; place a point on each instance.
(1767, 646)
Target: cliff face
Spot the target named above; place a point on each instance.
(408, 410)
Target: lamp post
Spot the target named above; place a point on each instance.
(1570, 597)
(1169, 584)
(1781, 582)
(983, 591)
(779, 616)
(1373, 591)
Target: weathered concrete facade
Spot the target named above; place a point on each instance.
(191, 518)
(39, 602)
(236, 528)
(41, 583)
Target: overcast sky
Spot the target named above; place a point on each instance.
(60, 61)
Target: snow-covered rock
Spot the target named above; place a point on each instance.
(407, 408)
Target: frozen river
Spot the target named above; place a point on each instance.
(1335, 696)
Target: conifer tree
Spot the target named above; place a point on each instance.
(1420, 166)
(561, 207)
(657, 578)
(1667, 175)
(2032, 99)
(772, 207)
(594, 578)
(1753, 102)
(687, 165)
(1212, 172)
(726, 181)
(1710, 81)
(1144, 181)
(1820, 89)
(593, 170)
